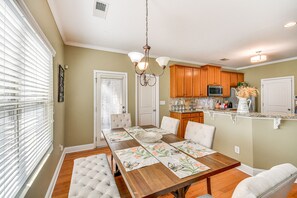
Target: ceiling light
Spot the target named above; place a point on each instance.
(258, 58)
(290, 24)
(141, 61)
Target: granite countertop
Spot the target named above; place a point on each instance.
(286, 116)
(188, 111)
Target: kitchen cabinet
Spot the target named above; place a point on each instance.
(181, 81)
(240, 77)
(203, 82)
(188, 82)
(213, 74)
(226, 83)
(196, 82)
(184, 118)
(235, 78)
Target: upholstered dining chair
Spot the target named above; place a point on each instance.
(200, 133)
(170, 124)
(120, 120)
(274, 183)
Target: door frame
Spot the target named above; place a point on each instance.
(157, 100)
(279, 78)
(96, 100)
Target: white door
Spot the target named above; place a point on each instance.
(111, 97)
(277, 95)
(147, 100)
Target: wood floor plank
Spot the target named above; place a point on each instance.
(222, 184)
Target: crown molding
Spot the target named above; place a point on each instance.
(113, 50)
(55, 14)
(267, 63)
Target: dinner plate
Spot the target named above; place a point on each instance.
(149, 137)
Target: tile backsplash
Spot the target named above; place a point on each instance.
(193, 103)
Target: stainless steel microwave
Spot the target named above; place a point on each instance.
(214, 90)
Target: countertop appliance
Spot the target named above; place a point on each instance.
(213, 90)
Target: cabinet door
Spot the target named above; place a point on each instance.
(217, 76)
(210, 75)
(203, 82)
(196, 82)
(240, 77)
(179, 80)
(233, 79)
(225, 82)
(188, 86)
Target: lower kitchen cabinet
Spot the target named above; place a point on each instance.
(184, 118)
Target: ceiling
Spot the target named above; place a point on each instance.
(194, 31)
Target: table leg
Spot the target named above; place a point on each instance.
(117, 171)
(181, 193)
(208, 185)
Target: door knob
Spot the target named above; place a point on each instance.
(289, 109)
(154, 110)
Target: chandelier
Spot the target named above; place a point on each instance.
(141, 61)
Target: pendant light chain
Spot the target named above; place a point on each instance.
(146, 20)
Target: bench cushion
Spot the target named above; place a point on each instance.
(92, 177)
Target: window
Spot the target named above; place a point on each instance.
(26, 99)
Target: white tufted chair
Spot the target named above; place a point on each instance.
(200, 133)
(274, 183)
(120, 120)
(91, 177)
(170, 124)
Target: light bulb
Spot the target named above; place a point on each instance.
(142, 66)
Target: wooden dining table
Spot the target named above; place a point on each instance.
(156, 179)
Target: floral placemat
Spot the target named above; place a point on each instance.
(179, 163)
(135, 157)
(158, 130)
(133, 131)
(192, 148)
(118, 136)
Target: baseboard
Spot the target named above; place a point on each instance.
(55, 176)
(66, 150)
(83, 147)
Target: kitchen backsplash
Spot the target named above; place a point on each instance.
(193, 103)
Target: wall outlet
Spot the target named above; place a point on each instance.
(61, 147)
(237, 149)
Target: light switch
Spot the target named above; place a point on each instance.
(162, 102)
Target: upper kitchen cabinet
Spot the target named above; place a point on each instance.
(213, 74)
(240, 77)
(235, 78)
(197, 82)
(181, 81)
(203, 82)
(225, 82)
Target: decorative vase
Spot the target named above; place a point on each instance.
(243, 105)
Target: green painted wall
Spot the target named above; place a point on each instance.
(254, 75)
(42, 14)
(261, 146)
(228, 135)
(79, 119)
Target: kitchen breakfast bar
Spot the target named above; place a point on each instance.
(260, 140)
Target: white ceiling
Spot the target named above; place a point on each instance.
(197, 31)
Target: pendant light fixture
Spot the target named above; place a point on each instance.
(141, 61)
(258, 58)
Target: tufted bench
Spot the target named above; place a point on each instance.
(91, 177)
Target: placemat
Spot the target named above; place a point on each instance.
(118, 136)
(135, 157)
(194, 149)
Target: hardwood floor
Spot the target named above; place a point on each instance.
(222, 184)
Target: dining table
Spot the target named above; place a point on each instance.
(156, 179)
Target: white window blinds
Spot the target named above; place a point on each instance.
(26, 99)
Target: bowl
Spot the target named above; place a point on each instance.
(149, 137)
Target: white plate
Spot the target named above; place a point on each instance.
(149, 137)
